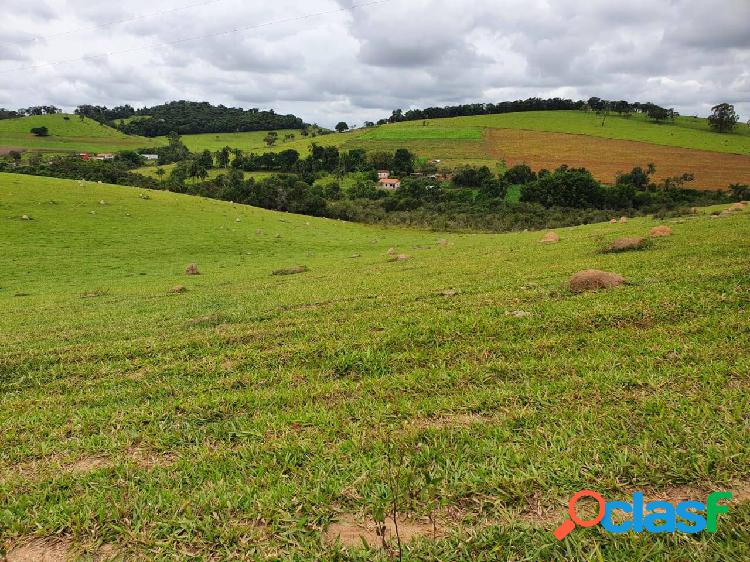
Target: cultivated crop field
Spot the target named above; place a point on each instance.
(606, 157)
(238, 414)
(71, 134)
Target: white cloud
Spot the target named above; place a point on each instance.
(360, 64)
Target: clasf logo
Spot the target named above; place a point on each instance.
(653, 517)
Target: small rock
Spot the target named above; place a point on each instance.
(25, 218)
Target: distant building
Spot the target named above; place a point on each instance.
(150, 156)
(84, 156)
(105, 156)
(383, 174)
(390, 184)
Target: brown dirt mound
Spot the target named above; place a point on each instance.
(192, 269)
(550, 238)
(593, 280)
(400, 257)
(625, 244)
(291, 270)
(623, 220)
(661, 231)
(613, 221)
(738, 206)
(179, 289)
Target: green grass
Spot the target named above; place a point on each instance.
(422, 132)
(249, 142)
(685, 132)
(69, 135)
(265, 405)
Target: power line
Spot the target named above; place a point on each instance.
(199, 37)
(111, 23)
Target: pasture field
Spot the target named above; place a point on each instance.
(238, 414)
(68, 135)
(549, 139)
(685, 132)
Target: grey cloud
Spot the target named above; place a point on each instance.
(361, 64)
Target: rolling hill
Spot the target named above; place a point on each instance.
(68, 133)
(240, 414)
(544, 139)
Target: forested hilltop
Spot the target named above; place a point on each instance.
(187, 117)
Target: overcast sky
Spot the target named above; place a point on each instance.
(359, 64)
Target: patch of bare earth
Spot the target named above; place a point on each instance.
(146, 458)
(351, 531)
(443, 422)
(41, 550)
(606, 157)
(87, 464)
(59, 550)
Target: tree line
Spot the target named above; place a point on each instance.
(27, 111)
(187, 117)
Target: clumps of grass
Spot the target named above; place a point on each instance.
(291, 270)
(360, 363)
(625, 244)
(400, 257)
(208, 321)
(26, 218)
(658, 231)
(192, 269)
(94, 294)
(550, 238)
(594, 280)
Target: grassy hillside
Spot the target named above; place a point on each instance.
(69, 134)
(548, 139)
(544, 139)
(252, 415)
(685, 132)
(253, 141)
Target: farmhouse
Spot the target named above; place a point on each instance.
(101, 156)
(150, 156)
(383, 174)
(390, 183)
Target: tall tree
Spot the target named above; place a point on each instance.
(723, 118)
(342, 126)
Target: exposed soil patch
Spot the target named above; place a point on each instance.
(351, 532)
(550, 238)
(87, 464)
(442, 422)
(192, 269)
(41, 550)
(59, 550)
(150, 459)
(606, 157)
